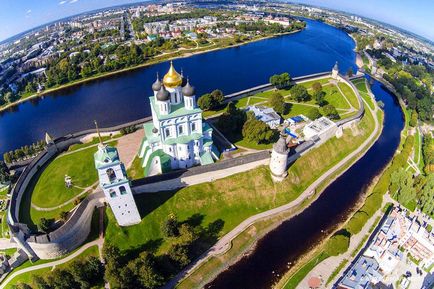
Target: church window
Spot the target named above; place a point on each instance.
(123, 190)
(181, 129)
(111, 175)
(112, 193)
(193, 126)
(167, 131)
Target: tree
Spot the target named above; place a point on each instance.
(337, 245)
(63, 215)
(257, 131)
(170, 227)
(401, 186)
(179, 254)
(205, 102)
(330, 111)
(281, 80)
(319, 97)
(316, 87)
(233, 116)
(299, 93)
(4, 173)
(313, 113)
(45, 224)
(413, 119)
(144, 269)
(40, 282)
(217, 98)
(278, 103)
(427, 196)
(7, 157)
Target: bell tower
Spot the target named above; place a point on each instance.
(114, 182)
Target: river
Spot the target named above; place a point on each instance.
(123, 97)
(294, 237)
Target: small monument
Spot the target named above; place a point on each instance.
(68, 181)
(335, 71)
(279, 159)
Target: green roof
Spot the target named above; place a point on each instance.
(206, 158)
(165, 161)
(207, 142)
(106, 155)
(150, 136)
(184, 139)
(175, 110)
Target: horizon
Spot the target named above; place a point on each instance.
(106, 4)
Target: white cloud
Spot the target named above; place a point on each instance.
(29, 11)
(73, 1)
(62, 2)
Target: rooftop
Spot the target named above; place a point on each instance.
(176, 110)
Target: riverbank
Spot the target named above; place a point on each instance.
(241, 240)
(185, 53)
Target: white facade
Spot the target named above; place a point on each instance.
(115, 184)
(279, 160)
(322, 128)
(177, 138)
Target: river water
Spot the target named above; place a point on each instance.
(293, 238)
(121, 98)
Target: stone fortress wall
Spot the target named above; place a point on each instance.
(76, 230)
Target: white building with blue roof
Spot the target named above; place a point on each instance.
(177, 137)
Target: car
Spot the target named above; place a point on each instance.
(408, 274)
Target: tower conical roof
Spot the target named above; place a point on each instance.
(280, 146)
(188, 90)
(163, 94)
(156, 86)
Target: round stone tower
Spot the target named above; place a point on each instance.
(279, 159)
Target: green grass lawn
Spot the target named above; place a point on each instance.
(94, 141)
(136, 171)
(50, 189)
(349, 93)
(232, 199)
(363, 90)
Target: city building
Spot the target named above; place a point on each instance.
(177, 137)
(322, 128)
(361, 275)
(114, 182)
(266, 114)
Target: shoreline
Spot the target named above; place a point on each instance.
(299, 206)
(155, 60)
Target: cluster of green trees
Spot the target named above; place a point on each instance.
(269, 28)
(85, 274)
(5, 176)
(428, 153)
(145, 270)
(412, 82)
(278, 103)
(245, 125)
(211, 101)
(23, 152)
(281, 80)
(128, 129)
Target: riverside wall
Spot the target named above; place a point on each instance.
(76, 229)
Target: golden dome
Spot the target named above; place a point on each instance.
(172, 78)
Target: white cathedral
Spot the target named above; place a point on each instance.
(177, 137)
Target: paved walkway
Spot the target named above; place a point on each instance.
(5, 243)
(225, 242)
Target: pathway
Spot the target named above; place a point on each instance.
(224, 243)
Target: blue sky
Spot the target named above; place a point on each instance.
(414, 15)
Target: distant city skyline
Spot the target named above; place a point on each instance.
(19, 16)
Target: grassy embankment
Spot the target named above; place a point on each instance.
(47, 188)
(232, 200)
